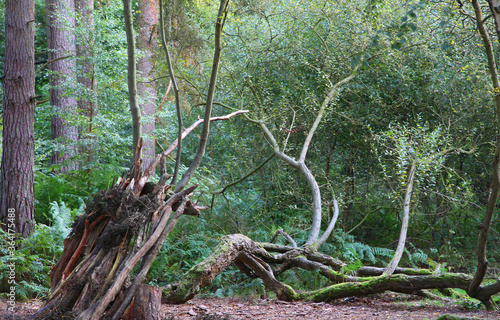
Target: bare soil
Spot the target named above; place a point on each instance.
(387, 306)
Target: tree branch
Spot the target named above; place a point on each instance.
(219, 25)
(176, 92)
(325, 104)
(154, 163)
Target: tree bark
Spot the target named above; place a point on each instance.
(146, 88)
(87, 104)
(62, 50)
(17, 185)
(146, 304)
(475, 290)
(132, 75)
(253, 259)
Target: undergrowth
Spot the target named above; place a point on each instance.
(34, 256)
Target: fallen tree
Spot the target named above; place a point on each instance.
(267, 261)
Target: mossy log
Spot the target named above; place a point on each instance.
(252, 259)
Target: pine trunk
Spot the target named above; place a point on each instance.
(146, 88)
(87, 104)
(61, 51)
(17, 189)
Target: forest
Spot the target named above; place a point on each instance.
(156, 150)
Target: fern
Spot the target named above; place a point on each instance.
(25, 290)
(368, 253)
(417, 258)
(382, 252)
(61, 218)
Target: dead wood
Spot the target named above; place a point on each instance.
(254, 260)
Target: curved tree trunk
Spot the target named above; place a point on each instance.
(404, 223)
(475, 290)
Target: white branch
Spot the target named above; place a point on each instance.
(325, 104)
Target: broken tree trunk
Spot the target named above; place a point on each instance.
(121, 228)
(256, 260)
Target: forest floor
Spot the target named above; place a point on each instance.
(386, 306)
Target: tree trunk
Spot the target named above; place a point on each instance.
(475, 290)
(146, 88)
(404, 224)
(18, 159)
(87, 104)
(254, 260)
(146, 305)
(132, 74)
(61, 52)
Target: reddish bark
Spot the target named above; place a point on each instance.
(146, 87)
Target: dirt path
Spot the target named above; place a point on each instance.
(381, 307)
(389, 306)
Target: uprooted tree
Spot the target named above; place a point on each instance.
(124, 228)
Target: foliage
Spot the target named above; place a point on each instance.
(423, 87)
(34, 256)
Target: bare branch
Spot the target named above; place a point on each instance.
(173, 80)
(219, 25)
(329, 230)
(325, 104)
(149, 171)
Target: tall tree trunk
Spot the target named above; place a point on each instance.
(146, 88)
(18, 156)
(62, 48)
(132, 74)
(87, 104)
(474, 289)
(348, 191)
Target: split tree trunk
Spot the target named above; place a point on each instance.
(120, 228)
